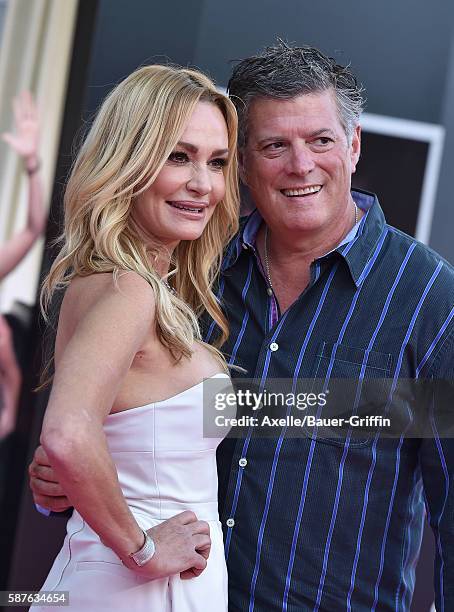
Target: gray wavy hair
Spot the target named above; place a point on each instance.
(284, 72)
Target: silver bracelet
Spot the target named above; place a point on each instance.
(144, 554)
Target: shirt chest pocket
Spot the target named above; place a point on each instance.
(355, 383)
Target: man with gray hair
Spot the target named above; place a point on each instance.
(317, 286)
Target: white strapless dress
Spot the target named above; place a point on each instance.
(165, 466)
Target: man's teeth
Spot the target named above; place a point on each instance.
(302, 192)
(182, 207)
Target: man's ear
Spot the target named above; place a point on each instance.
(355, 147)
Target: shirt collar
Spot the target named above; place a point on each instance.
(358, 252)
(356, 248)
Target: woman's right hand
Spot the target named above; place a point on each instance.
(182, 547)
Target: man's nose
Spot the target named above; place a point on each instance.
(200, 180)
(300, 160)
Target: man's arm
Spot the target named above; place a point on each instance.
(437, 467)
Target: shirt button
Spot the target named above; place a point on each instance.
(243, 462)
(230, 522)
(274, 346)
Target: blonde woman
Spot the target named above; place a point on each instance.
(150, 204)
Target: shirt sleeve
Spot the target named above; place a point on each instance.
(437, 468)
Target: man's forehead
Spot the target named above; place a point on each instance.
(316, 111)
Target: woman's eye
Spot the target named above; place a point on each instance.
(218, 163)
(178, 157)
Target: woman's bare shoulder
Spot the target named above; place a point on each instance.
(86, 292)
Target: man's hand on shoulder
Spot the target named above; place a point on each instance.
(44, 484)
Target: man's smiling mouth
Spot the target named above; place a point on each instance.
(301, 191)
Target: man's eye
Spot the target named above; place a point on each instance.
(322, 141)
(274, 146)
(178, 157)
(218, 163)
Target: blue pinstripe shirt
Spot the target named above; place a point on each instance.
(332, 525)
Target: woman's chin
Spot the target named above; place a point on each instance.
(190, 236)
(188, 233)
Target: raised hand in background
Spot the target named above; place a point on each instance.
(25, 141)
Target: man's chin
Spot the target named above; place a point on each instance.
(302, 223)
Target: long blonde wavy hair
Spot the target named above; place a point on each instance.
(132, 136)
